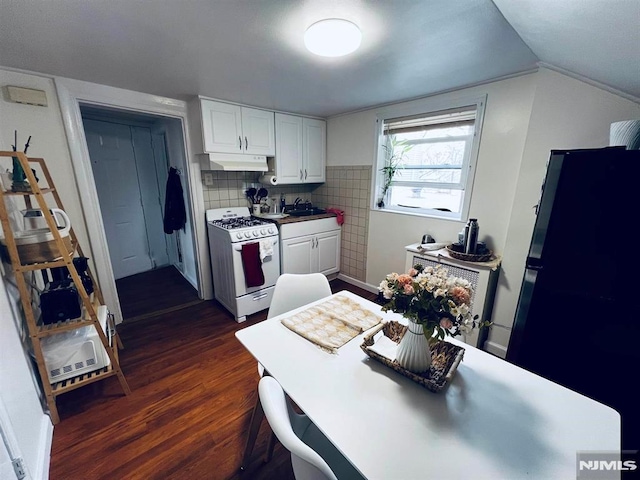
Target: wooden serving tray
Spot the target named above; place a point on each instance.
(445, 357)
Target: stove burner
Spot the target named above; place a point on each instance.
(238, 222)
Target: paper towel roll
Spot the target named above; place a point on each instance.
(268, 179)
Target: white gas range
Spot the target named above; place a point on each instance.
(245, 260)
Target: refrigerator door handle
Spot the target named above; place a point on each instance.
(534, 263)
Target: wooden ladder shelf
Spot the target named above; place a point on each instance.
(29, 296)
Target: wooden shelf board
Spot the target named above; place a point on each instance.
(59, 327)
(58, 262)
(42, 190)
(72, 383)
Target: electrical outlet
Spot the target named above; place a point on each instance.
(208, 179)
(18, 467)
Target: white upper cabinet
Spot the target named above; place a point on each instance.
(258, 132)
(314, 149)
(300, 149)
(229, 128)
(288, 149)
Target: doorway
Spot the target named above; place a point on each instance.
(130, 155)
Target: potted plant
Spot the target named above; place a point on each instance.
(395, 150)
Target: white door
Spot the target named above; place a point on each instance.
(288, 148)
(299, 255)
(114, 170)
(152, 205)
(258, 132)
(315, 145)
(221, 127)
(328, 251)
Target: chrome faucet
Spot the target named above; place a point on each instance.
(296, 202)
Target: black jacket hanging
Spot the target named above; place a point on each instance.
(175, 215)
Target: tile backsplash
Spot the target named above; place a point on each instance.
(226, 189)
(349, 189)
(346, 188)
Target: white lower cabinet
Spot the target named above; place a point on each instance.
(298, 255)
(310, 246)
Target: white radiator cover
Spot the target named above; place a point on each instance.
(483, 278)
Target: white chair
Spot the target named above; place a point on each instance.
(313, 456)
(294, 290)
(291, 291)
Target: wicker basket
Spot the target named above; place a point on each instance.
(468, 257)
(445, 358)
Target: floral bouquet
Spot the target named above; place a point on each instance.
(430, 297)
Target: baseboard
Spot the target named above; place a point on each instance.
(496, 349)
(44, 450)
(358, 283)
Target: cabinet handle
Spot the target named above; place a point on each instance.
(240, 143)
(246, 143)
(300, 174)
(305, 173)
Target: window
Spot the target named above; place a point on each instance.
(426, 161)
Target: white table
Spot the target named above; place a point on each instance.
(494, 421)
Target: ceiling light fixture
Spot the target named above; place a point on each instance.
(333, 37)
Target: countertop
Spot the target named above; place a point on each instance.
(292, 219)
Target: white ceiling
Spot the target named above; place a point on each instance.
(251, 51)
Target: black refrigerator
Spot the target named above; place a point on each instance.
(577, 322)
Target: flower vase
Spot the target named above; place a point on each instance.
(413, 351)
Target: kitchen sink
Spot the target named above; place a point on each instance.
(307, 212)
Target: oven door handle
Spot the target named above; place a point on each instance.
(238, 248)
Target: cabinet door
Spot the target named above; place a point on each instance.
(221, 127)
(299, 255)
(315, 149)
(258, 136)
(288, 149)
(328, 252)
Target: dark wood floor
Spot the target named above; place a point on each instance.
(157, 291)
(193, 389)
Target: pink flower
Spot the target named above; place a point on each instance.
(404, 279)
(408, 289)
(413, 272)
(446, 323)
(460, 295)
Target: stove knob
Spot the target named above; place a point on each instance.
(263, 231)
(239, 235)
(271, 230)
(255, 233)
(247, 234)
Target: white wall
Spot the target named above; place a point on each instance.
(351, 140)
(525, 118)
(32, 429)
(566, 114)
(48, 141)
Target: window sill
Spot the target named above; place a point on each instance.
(456, 217)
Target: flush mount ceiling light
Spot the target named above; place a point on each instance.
(332, 37)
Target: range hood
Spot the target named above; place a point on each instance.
(235, 162)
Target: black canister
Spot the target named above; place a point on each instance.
(471, 231)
